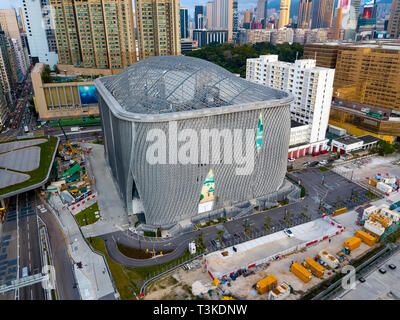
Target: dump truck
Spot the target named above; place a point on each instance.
(352, 243)
(365, 237)
(266, 284)
(329, 259)
(300, 272)
(316, 269)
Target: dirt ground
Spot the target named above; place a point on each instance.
(170, 288)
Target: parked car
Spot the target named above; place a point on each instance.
(382, 270)
(288, 232)
(392, 266)
(291, 160)
(362, 280)
(216, 243)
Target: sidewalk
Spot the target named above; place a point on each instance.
(113, 214)
(94, 281)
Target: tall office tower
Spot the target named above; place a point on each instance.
(40, 32)
(199, 17)
(260, 9)
(235, 22)
(310, 85)
(94, 33)
(284, 14)
(9, 24)
(223, 16)
(6, 79)
(304, 15)
(337, 23)
(394, 20)
(158, 27)
(322, 14)
(266, 9)
(184, 22)
(248, 16)
(209, 14)
(350, 12)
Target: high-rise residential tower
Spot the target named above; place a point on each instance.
(310, 85)
(394, 20)
(184, 22)
(94, 33)
(284, 14)
(9, 24)
(322, 14)
(304, 15)
(158, 29)
(40, 31)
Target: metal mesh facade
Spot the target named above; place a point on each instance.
(157, 91)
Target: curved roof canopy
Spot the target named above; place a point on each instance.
(167, 84)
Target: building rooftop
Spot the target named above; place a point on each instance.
(348, 140)
(368, 138)
(170, 84)
(295, 124)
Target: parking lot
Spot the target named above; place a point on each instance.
(331, 189)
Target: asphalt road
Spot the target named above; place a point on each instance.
(29, 255)
(317, 191)
(65, 278)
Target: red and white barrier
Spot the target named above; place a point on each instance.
(83, 204)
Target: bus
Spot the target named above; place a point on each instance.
(26, 129)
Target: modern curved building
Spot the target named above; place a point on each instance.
(185, 138)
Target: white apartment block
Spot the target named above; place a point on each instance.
(311, 87)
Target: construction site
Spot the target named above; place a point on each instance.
(71, 182)
(283, 265)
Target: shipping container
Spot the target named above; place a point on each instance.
(374, 228)
(339, 211)
(266, 284)
(300, 272)
(352, 243)
(365, 237)
(384, 187)
(316, 269)
(329, 259)
(280, 292)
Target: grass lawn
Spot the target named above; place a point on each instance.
(38, 175)
(87, 216)
(138, 253)
(127, 279)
